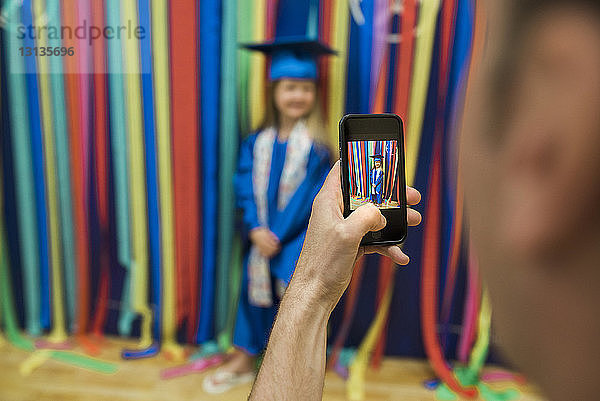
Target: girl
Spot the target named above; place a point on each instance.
(281, 168)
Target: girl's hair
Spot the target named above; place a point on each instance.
(314, 120)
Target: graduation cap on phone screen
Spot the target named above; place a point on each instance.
(296, 46)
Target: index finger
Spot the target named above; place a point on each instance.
(331, 191)
(413, 196)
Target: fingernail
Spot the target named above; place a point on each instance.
(383, 220)
(403, 260)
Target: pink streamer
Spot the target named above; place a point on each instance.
(194, 367)
(471, 308)
(85, 67)
(501, 375)
(381, 20)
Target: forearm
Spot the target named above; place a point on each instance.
(294, 363)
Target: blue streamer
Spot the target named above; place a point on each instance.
(62, 159)
(151, 174)
(360, 47)
(210, 34)
(37, 150)
(22, 158)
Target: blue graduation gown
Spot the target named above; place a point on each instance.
(289, 225)
(377, 182)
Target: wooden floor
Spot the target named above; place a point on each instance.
(398, 379)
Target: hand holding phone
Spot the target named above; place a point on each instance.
(372, 171)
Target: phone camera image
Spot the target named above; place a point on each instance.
(373, 174)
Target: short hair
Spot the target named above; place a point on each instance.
(524, 10)
(522, 13)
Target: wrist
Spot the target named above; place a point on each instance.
(252, 233)
(308, 291)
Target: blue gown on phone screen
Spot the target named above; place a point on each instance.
(377, 185)
(253, 323)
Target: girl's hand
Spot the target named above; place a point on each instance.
(267, 243)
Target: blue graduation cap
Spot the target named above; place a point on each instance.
(296, 46)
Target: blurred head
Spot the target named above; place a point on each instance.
(294, 98)
(377, 163)
(531, 165)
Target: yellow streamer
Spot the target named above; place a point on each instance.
(479, 351)
(257, 68)
(356, 383)
(35, 360)
(160, 47)
(421, 71)
(137, 187)
(336, 89)
(59, 332)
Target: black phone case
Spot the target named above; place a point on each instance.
(395, 230)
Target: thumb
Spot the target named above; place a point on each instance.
(364, 219)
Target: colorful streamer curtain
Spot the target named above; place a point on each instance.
(121, 160)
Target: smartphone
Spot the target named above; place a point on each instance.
(372, 169)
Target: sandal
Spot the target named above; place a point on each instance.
(222, 381)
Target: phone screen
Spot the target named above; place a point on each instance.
(373, 174)
(372, 154)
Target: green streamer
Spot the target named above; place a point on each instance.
(22, 158)
(10, 320)
(207, 350)
(62, 162)
(119, 157)
(481, 347)
(469, 375)
(245, 28)
(85, 362)
(6, 296)
(227, 158)
(225, 338)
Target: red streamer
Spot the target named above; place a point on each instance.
(100, 132)
(429, 279)
(186, 163)
(78, 170)
(349, 309)
(404, 59)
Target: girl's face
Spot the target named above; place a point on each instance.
(295, 98)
